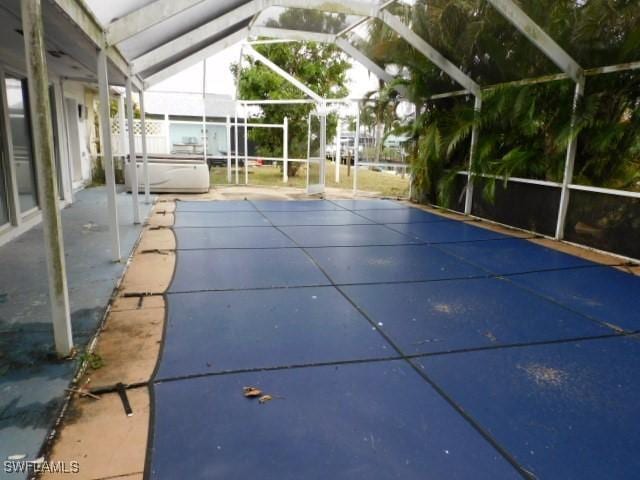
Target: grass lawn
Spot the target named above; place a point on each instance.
(385, 184)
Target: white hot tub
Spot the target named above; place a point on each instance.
(172, 174)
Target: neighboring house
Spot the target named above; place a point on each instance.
(174, 122)
(396, 141)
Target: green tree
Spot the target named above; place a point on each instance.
(524, 129)
(323, 68)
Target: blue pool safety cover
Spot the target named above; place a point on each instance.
(323, 217)
(504, 257)
(220, 219)
(240, 269)
(566, 410)
(465, 355)
(346, 235)
(390, 264)
(218, 206)
(401, 215)
(368, 204)
(230, 237)
(294, 205)
(447, 232)
(462, 314)
(604, 293)
(263, 329)
(373, 421)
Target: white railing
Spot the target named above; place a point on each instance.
(556, 185)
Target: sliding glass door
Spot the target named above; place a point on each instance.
(23, 159)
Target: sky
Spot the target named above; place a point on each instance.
(220, 80)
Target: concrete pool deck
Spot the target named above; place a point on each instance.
(32, 380)
(98, 433)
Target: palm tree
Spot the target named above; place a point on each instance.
(524, 129)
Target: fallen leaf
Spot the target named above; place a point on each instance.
(251, 392)
(265, 398)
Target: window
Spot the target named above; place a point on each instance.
(21, 137)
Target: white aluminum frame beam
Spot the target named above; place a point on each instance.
(285, 150)
(123, 146)
(362, 59)
(536, 35)
(293, 35)
(196, 57)
(348, 7)
(473, 151)
(146, 17)
(35, 51)
(547, 45)
(160, 10)
(428, 51)
(569, 162)
(133, 159)
(143, 139)
(228, 127)
(107, 154)
(343, 44)
(202, 33)
(194, 37)
(589, 72)
(287, 76)
(87, 22)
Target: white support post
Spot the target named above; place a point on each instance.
(356, 151)
(133, 161)
(285, 150)
(246, 150)
(167, 133)
(236, 142)
(468, 201)
(67, 141)
(338, 158)
(63, 144)
(107, 153)
(46, 173)
(121, 120)
(204, 109)
(323, 145)
(569, 162)
(145, 160)
(228, 149)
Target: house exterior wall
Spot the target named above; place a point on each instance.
(17, 163)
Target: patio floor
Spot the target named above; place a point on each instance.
(32, 381)
(392, 343)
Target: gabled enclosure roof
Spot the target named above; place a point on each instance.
(154, 39)
(159, 38)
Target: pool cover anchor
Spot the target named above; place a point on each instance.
(122, 392)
